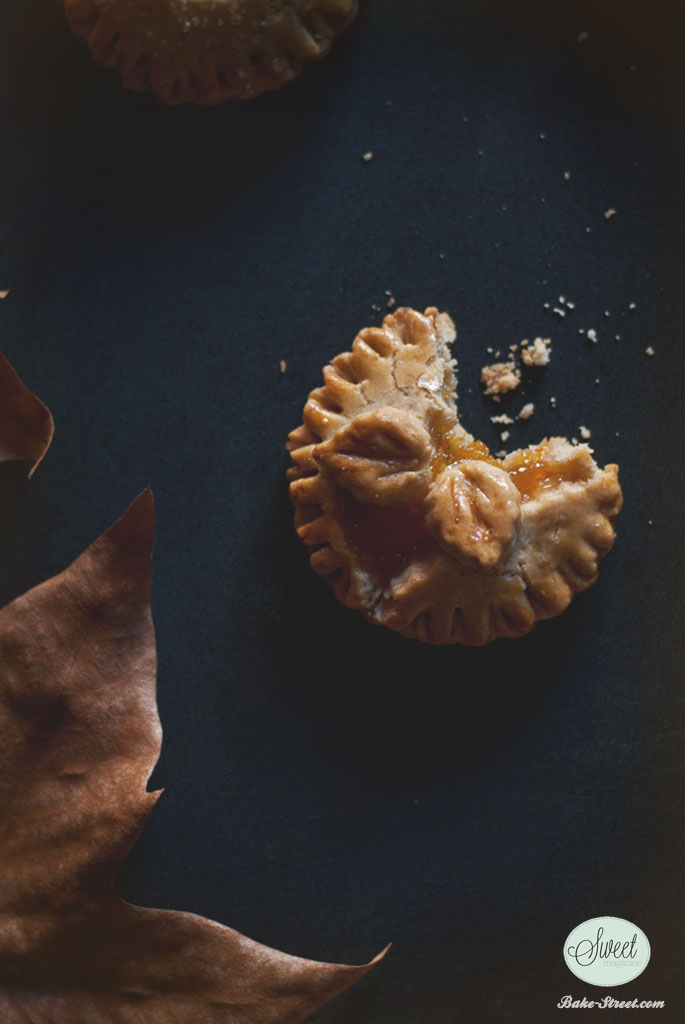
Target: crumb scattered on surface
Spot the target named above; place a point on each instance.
(608, 214)
(375, 307)
(502, 418)
(631, 305)
(505, 434)
(583, 36)
(585, 433)
(498, 378)
(442, 255)
(4, 293)
(607, 313)
(559, 311)
(283, 365)
(618, 337)
(592, 335)
(367, 157)
(649, 351)
(567, 175)
(527, 411)
(537, 352)
(553, 400)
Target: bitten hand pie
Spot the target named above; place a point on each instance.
(207, 51)
(413, 522)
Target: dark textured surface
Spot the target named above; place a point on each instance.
(331, 787)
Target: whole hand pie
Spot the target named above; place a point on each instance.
(206, 51)
(414, 522)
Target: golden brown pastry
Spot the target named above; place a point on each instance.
(207, 51)
(413, 522)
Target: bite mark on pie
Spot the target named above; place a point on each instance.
(411, 519)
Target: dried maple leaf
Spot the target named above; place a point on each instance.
(26, 426)
(80, 737)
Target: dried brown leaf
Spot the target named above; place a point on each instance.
(80, 737)
(26, 426)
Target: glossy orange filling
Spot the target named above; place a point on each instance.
(532, 474)
(449, 450)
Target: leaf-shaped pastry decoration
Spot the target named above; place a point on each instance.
(26, 426)
(80, 737)
(473, 510)
(381, 456)
(207, 51)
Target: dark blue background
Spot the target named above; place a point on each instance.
(330, 786)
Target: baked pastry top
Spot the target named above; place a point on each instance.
(207, 51)
(413, 522)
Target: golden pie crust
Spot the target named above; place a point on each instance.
(207, 51)
(413, 522)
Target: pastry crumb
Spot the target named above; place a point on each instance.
(282, 366)
(567, 175)
(537, 352)
(583, 37)
(502, 418)
(608, 214)
(592, 335)
(4, 293)
(527, 411)
(498, 378)
(649, 351)
(553, 400)
(631, 305)
(585, 433)
(367, 157)
(505, 435)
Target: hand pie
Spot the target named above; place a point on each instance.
(413, 522)
(206, 51)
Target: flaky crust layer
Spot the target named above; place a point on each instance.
(207, 51)
(412, 522)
